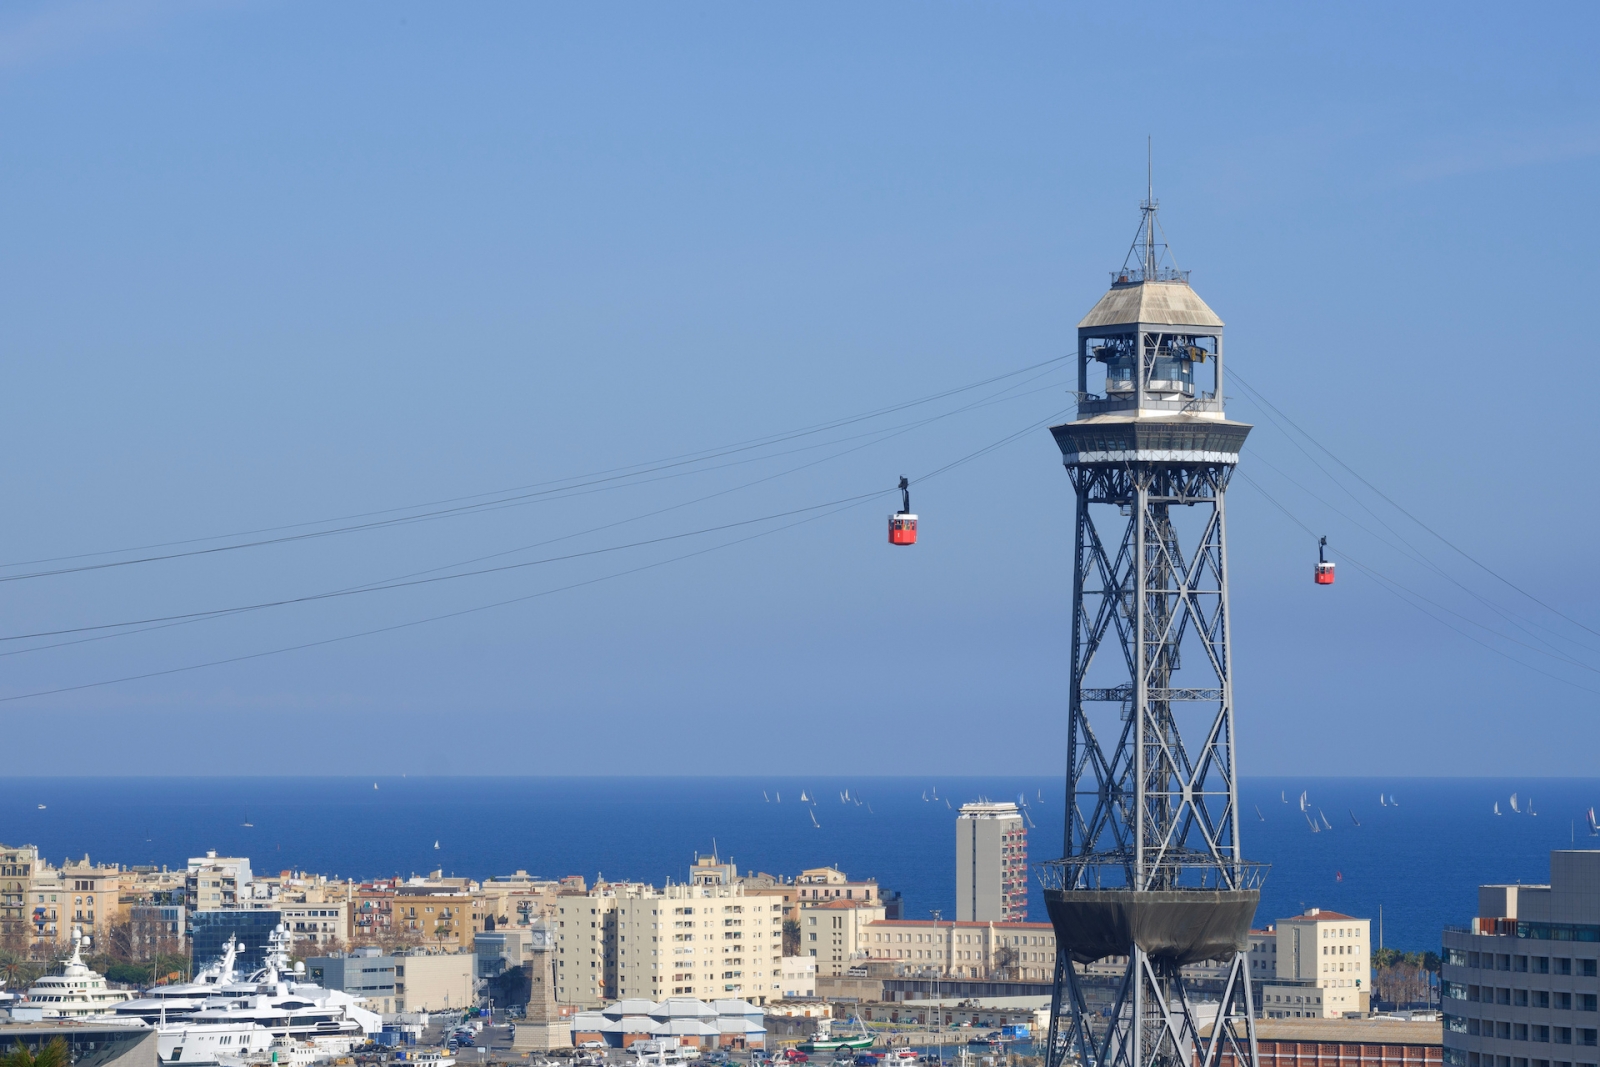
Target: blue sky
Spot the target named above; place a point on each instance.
(266, 264)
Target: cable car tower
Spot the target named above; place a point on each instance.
(1152, 871)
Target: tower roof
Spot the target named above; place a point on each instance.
(1165, 303)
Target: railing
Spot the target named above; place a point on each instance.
(1188, 872)
(1091, 405)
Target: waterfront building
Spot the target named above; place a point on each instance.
(829, 883)
(418, 981)
(586, 938)
(797, 976)
(991, 863)
(156, 929)
(215, 882)
(832, 932)
(209, 930)
(444, 917)
(1324, 967)
(17, 864)
(707, 941)
(925, 948)
(1340, 1043)
(1520, 983)
(324, 924)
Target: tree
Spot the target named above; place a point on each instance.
(52, 1055)
(1404, 981)
(791, 937)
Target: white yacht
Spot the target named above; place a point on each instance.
(77, 992)
(211, 1043)
(293, 1010)
(174, 1003)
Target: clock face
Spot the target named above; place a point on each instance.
(540, 939)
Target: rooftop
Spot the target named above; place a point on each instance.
(1347, 1031)
(1160, 303)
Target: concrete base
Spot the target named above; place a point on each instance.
(541, 1037)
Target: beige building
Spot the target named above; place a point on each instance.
(991, 863)
(316, 927)
(833, 932)
(1025, 951)
(434, 982)
(585, 931)
(17, 866)
(828, 883)
(439, 917)
(1324, 951)
(714, 942)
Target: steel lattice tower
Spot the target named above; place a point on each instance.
(1152, 870)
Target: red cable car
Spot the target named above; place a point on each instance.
(903, 524)
(1324, 568)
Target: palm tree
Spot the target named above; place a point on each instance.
(52, 1055)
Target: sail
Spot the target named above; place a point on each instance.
(1514, 804)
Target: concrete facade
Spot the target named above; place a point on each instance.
(1521, 987)
(1326, 951)
(991, 864)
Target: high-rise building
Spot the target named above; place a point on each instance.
(991, 864)
(1520, 984)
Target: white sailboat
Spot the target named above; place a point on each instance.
(803, 797)
(1353, 817)
(1302, 802)
(814, 821)
(1594, 828)
(1530, 807)
(1313, 824)
(1326, 824)
(1393, 803)
(1382, 803)
(1497, 807)
(1515, 810)
(1260, 816)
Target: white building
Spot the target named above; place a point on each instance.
(798, 976)
(832, 932)
(1324, 967)
(991, 864)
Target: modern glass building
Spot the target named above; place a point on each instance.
(209, 932)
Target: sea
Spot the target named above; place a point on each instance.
(1411, 851)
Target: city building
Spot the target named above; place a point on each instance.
(443, 917)
(797, 976)
(991, 863)
(707, 941)
(325, 924)
(214, 882)
(156, 929)
(209, 930)
(833, 931)
(1340, 1043)
(925, 948)
(1324, 966)
(1520, 983)
(828, 883)
(586, 938)
(365, 972)
(17, 864)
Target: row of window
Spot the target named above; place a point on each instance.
(1522, 998)
(1505, 961)
(1508, 1031)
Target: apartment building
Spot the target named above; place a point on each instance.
(832, 932)
(1324, 967)
(585, 931)
(1521, 987)
(17, 864)
(216, 882)
(829, 883)
(417, 981)
(715, 942)
(1025, 951)
(324, 924)
(443, 917)
(991, 863)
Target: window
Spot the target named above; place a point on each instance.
(1586, 1001)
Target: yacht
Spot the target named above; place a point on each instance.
(174, 1003)
(273, 999)
(77, 992)
(211, 1043)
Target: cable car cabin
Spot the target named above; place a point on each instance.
(903, 529)
(1324, 573)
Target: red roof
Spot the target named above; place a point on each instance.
(1322, 916)
(947, 922)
